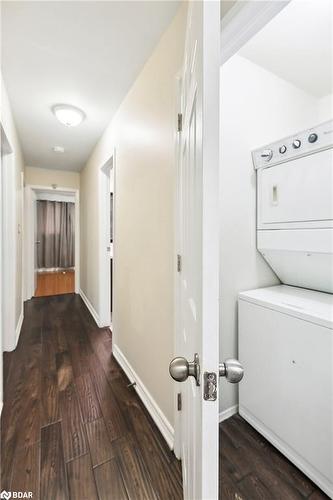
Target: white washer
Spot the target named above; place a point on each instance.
(286, 348)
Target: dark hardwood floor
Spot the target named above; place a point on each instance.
(72, 429)
(252, 469)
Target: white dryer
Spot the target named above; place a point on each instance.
(286, 332)
(295, 207)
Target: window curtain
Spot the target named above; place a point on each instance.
(55, 233)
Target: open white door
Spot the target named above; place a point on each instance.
(198, 188)
(37, 242)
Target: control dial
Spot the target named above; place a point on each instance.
(267, 154)
(297, 144)
(312, 137)
(283, 149)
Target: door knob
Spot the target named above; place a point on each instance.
(180, 369)
(232, 370)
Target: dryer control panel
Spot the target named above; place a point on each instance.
(301, 144)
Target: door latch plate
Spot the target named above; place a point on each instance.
(210, 386)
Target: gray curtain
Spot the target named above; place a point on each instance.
(55, 232)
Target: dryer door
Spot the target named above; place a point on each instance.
(297, 191)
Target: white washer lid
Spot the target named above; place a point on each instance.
(302, 303)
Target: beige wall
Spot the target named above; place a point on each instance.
(47, 177)
(143, 133)
(10, 131)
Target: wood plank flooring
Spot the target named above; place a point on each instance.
(55, 283)
(71, 428)
(252, 469)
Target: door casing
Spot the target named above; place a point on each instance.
(106, 170)
(29, 234)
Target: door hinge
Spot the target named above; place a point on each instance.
(180, 122)
(179, 401)
(179, 263)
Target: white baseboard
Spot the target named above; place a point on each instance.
(289, 452)
(229, 412)
(154, 410)
(19, 327)
(90, 307)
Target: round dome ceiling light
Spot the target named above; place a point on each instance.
(58, 149)
(68, 115)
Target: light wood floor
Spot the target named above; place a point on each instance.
(55, 283)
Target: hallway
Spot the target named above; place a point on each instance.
(70, 426)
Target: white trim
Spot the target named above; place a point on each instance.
(154, 410)
(91, 308)
(283, 447)
(1, 406)
(9, 250)
(243, 21)
(31, 191)
(229, 412)
(55, 196)
(104, 240)
(19, 327)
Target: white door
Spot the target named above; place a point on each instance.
(37, 242)
(198, 315)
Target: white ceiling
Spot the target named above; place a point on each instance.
(85, 53)
(297, 46)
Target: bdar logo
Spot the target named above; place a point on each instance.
(5, 494)
(15, 494)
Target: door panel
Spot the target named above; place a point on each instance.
(198, 282)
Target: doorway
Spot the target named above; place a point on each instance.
(52, 241)
(265, 100)
(107, 199)
(10, 239)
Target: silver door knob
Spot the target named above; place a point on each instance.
(180, 369)
(232, 370)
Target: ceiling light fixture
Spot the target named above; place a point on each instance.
(58, 149)
(68, 115)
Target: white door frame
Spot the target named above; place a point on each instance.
(9, 245)
(104, 242)
(243, 21)
(6, 151)
(239, 25)
(176, 277)
(29, 234)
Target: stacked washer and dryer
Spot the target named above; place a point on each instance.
(286, 331)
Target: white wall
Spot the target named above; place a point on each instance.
(257, 107)
(325, 108)
(143, 133)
